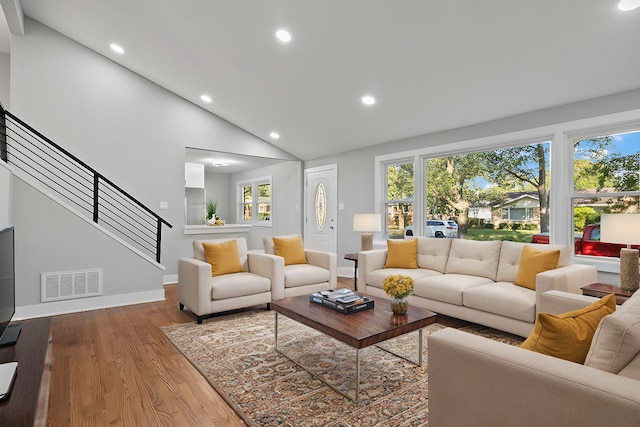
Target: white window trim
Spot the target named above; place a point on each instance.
(561, 152)
(254, 182)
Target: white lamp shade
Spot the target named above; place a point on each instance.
(366, 222)
(620, 228)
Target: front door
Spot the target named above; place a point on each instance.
(321, 208)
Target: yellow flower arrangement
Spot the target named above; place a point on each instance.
(398, 286)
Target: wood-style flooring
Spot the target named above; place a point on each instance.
(114, 367)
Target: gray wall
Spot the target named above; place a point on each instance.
(126, 127)
(5, 196)
(356, 184)
(5, 93)
(286, 196)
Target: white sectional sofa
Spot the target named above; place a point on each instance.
(474, 280)
(500, 385)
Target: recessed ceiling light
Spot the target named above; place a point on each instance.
(274, 135)
(368, 100)
(117, 48)
(628, 4)
(206, 98)
(283, 36)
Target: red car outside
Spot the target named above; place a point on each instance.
(589, 243)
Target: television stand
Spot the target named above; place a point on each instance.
(7, 375)
(10, 335)
(28, 398)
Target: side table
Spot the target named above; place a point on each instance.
(603, 289)
(354, 258)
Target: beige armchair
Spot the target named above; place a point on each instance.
(205, 294)
(317, 274)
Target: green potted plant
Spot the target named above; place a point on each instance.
(212, 207)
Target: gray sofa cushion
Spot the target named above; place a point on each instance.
(304, 274)
(510, 258)
(474, 258)
(433, 253)
(447, 287)
(375, 278)
(504, 299)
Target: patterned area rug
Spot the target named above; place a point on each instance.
(236, 355)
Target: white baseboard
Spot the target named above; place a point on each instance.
(345, 271)
(86, 304)
(169, 279)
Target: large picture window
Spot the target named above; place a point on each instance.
(606, 180)
(255, 201)
(501, 194)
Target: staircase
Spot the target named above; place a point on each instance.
(65, 178)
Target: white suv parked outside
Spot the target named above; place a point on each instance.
(437, 228)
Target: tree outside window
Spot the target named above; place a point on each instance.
(399, 198)
(606, 179)
(501, 194)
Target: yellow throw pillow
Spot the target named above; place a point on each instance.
(568, 336)
(533, 262)
(223, 257)
(402, 254)
(291, 249)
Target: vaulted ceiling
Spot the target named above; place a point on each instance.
(431, 65)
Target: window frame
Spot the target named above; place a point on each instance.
(561, 156)
(387, 201)
(254, 183)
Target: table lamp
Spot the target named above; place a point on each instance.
(367, 223)
(624, 229)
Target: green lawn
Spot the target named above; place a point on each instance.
(512, 235)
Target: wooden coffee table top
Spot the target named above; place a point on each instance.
(360, 329)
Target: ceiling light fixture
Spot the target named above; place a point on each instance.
(627, 5)
(274, 135)
(218, 163)
(206, 98)
(368, 100)
(283, 35)
(116, 48)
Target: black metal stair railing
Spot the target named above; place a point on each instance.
(85, 189)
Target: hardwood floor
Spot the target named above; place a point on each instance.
(115, 367)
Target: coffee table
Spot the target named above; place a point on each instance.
(358, 330)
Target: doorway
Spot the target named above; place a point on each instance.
(321, 208)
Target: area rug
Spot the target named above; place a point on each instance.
(235, 353)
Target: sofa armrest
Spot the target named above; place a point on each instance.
(326, 260)
(271, 267)
(194, 285)
(369, 261)
(557, 302)
(568, 279)
(478, 381)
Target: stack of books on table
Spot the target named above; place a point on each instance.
(343, 300)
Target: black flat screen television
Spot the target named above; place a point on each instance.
(8, 333)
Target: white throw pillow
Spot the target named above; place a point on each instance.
(617, 340)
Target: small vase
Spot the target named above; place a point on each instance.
(399, 305)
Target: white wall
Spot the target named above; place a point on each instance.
(5, 93)
(286, 194)
(126, 127)
(5, 196)
(356, 183)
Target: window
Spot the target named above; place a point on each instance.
(606, 180)
(518, 214)
(399, 198)
(500, 194)
(255, 201)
